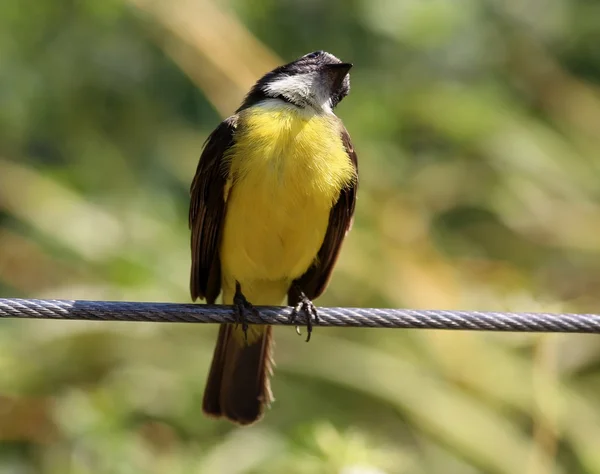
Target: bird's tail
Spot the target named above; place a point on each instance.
(238, 386)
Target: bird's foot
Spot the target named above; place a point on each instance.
(310, 311)
(240, 306)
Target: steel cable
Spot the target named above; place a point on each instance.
(338, 317)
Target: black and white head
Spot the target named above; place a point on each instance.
(318, 81)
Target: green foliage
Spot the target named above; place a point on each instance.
(476, 125)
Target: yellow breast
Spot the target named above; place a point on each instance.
(287, 171)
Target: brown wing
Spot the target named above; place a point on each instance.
(315, 280)
(207, 210)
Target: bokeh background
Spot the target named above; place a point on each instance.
(477, 126)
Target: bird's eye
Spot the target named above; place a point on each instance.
(314, 54)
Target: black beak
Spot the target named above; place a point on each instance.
(337, 72)
(345, 67)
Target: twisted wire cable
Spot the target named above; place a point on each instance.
(338, 317)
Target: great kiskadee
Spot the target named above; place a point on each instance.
(271, 202)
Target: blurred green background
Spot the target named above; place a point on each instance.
(477, 126)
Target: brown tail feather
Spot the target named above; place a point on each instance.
(238, 386)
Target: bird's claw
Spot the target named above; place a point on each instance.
(240, 306)
(310, 311)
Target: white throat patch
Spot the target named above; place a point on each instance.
(303, 89)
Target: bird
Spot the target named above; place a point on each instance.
(271, 202)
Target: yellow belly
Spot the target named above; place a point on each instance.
(287, 171)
